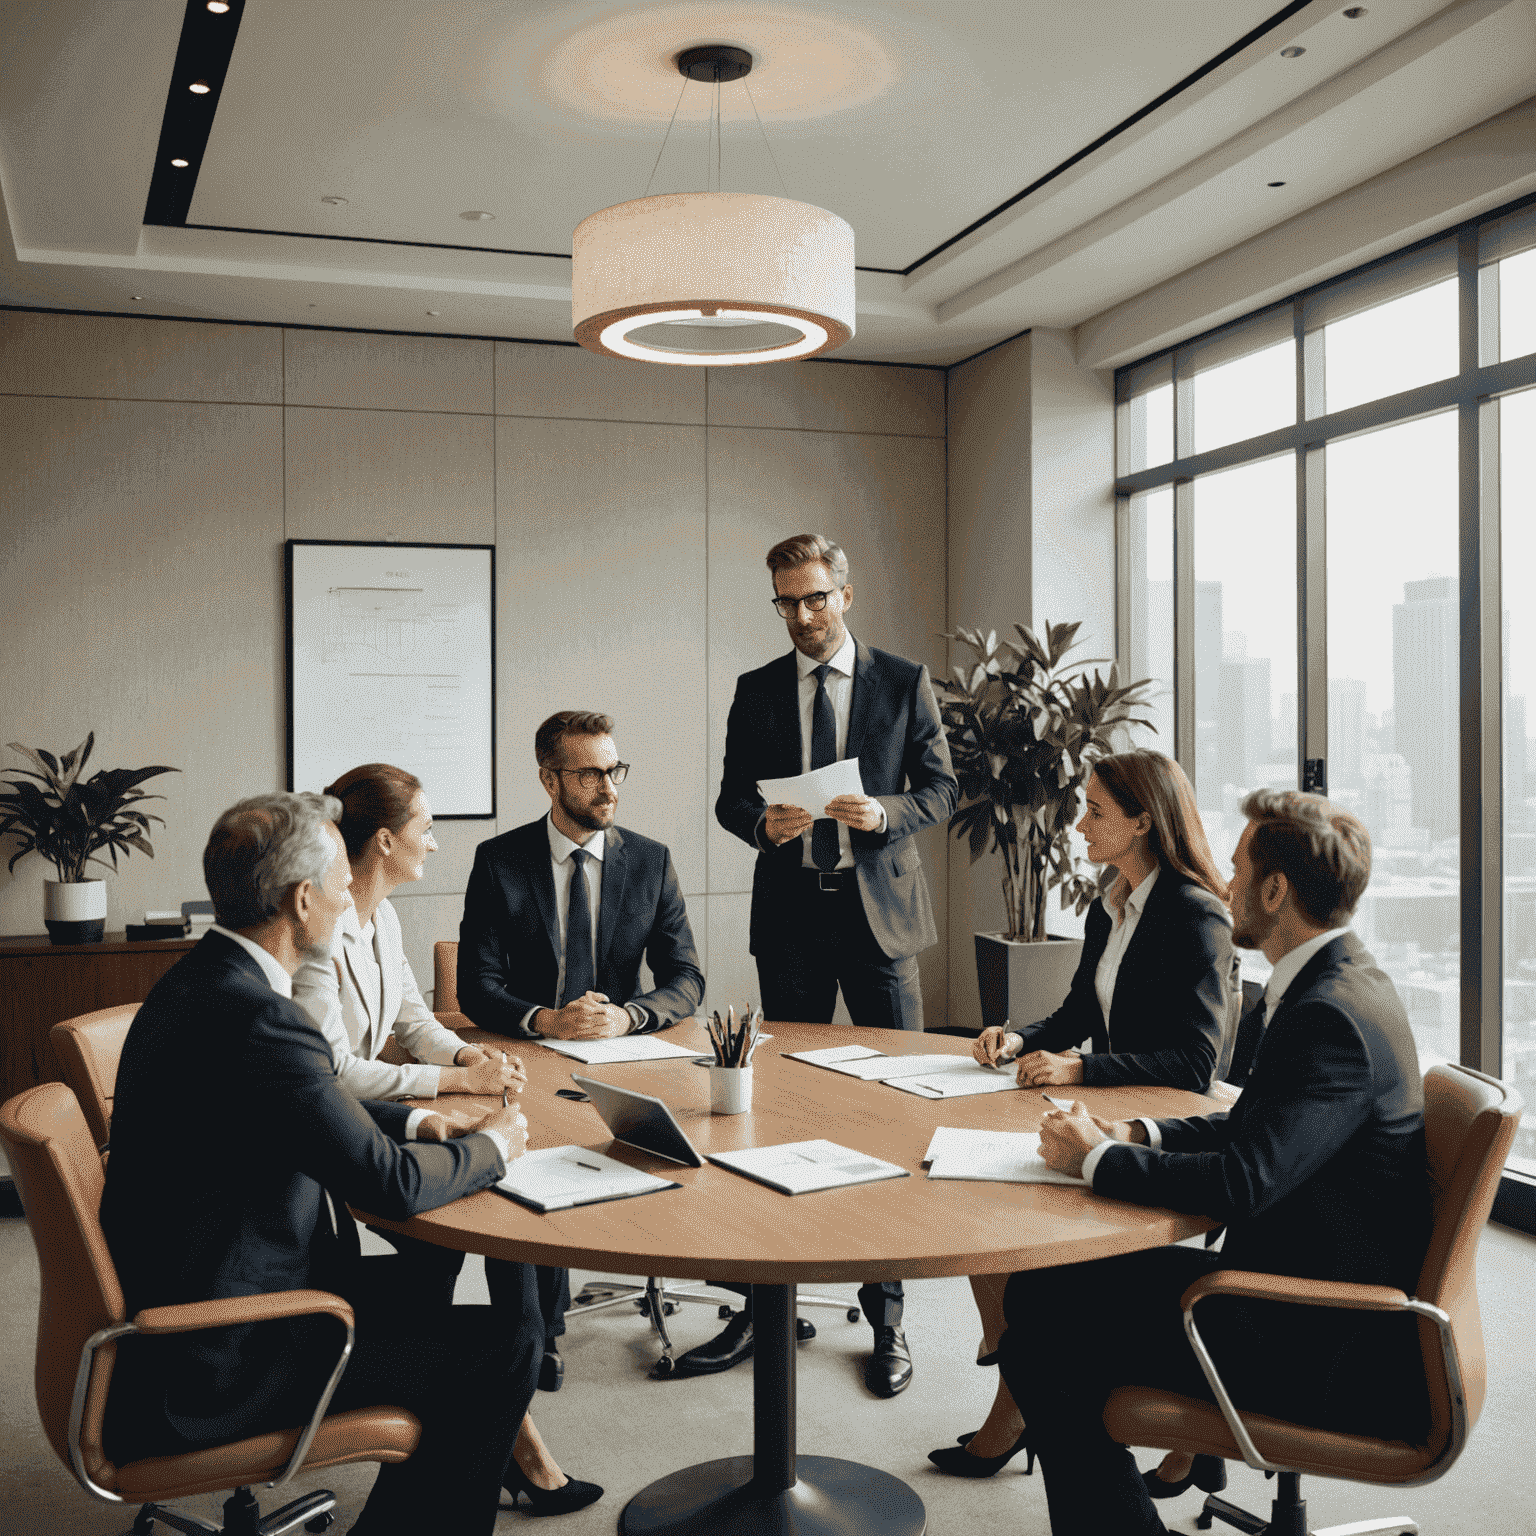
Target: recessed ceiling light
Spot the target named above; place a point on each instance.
(218, 7)
(434, 311)
(1355, 12)
(335, 202)
(179, 163)
(1293, 52)
(1274, 183)
(199, 87)
(136, 297)
(477, 216)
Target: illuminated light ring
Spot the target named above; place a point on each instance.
(609, 334)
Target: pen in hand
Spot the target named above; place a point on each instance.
(504, 1086)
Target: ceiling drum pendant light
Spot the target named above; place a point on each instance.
(712, 278)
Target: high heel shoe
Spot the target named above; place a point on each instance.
(1207, 1473)
(572, 1495)
(959, 1462)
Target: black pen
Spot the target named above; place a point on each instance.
(504, 1086)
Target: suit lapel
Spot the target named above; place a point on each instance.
(615, 867)
(349, 950)
(863, 698)
(534, 852)
(390, 988)
(1141, 941)
(787, 698)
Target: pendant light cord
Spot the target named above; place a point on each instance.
(667, 135)
(766, 145)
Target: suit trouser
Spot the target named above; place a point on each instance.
(1077, 1332)
(467, 1374)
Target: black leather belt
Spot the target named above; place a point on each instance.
(828, 879)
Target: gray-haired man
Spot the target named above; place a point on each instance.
(229, 1127)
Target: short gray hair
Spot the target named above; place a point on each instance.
(261, 848)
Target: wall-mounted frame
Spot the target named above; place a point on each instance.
(392, 659)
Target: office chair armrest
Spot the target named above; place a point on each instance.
(231, 1311)
(1251, 1286)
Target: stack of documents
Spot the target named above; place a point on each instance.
(929, 1076)
(556, 1178)
(812, 791)
(1001, 1157)
(798, 1167)
(598, 1053)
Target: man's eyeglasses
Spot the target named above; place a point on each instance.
(789, 606)
(589, 778)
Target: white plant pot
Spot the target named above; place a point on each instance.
(1021, 983)
(75, 912)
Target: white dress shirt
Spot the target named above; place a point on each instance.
(562, 867)
(1122, 930)
(840, 696)
(1287, 969)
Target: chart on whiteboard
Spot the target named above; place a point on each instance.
(392, 663)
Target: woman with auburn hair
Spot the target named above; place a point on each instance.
(362, 994)
(1152, 993)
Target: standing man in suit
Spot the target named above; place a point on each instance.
(838, 901)
(229, 1127)
(543, 952)
(1318, 1171)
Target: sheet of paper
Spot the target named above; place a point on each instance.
(834, 1055)
(883, 1069)
(798, 1167)
(958, 1084)
(811, 791)
(597, 1053)
(556, 1178)
(1007, 1157)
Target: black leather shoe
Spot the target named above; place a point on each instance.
(1208, 1473)
(888, 1369)
(551, 1371)
(729, 1347)
(571, 1495)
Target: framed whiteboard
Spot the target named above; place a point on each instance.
(392, 659)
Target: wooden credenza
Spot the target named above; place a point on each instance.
(42, 983)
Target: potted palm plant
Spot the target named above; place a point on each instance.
(70, 820)
(1025, 727)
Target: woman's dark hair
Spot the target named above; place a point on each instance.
(373, 796)
(1151, 783)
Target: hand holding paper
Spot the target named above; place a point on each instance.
(812, 791)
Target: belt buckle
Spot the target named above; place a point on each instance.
(836, 876)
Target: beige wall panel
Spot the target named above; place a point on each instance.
(571, 382)
(424, 919)
(829, 397)
(881, 498)
(122, 358)
(143, 592)
(411, 475)
(601, 605)
(388, 373)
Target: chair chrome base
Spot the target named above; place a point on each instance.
(1288, 1517)
(243, 1517)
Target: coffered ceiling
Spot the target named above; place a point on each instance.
(1003, 165)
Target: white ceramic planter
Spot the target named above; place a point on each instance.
(75, 912)
(1022, 983)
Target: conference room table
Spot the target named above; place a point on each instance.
(721, 1226)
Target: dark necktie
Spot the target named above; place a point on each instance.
(579, 977)
(824, 849)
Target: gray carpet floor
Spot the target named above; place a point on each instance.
(611, 1424)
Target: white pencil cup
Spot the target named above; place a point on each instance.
(730, 1090)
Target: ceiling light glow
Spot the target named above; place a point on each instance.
(199, 87)
(477, 216)
(179, 163)
(218, 7)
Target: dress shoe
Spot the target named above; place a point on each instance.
(551, 1371)
(1208, 1473)
(571, 1495)
(959, 1462)
(729, 1347)
(888, 1369)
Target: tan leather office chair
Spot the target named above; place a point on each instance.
(89, 1048)
(81, 1315)
(445, 977)
(1469, 1124)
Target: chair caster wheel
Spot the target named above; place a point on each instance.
(664, 1366)
(1203, 1521)
(668, 1308)
(725, 1311)
(321, 1522)
(144, 1522)
(853, 1314)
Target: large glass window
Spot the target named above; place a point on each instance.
(1245, 397)
(1393, 672)
(1391, 347)
(1151, 616)
(1517, 305)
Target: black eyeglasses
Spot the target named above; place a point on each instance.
(588, 777)
(789, 606)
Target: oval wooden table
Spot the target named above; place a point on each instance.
(720, 1226)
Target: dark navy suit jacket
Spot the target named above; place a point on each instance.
(509, 939)
(895, 732)
(228, 1126)
(1174, 994)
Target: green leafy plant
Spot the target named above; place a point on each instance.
(68, 819)
(1025, 728)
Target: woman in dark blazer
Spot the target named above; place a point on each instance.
(1152, 994)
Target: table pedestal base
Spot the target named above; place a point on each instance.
(830, 1497)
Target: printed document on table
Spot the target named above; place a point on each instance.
(556, 1178)
(1000, 1157)
(601, 1053)
(959, 1078)
(811, 791)
(837, 1056)
(798, 1167)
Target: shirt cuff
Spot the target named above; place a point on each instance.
(1095, 1157)
(639, 1018)
(527, 1025)
(503, 1146)
(413, 1122)
(1154, 1132)
(885, 821)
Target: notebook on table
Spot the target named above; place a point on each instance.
(799, 1167)
(557, 1178)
